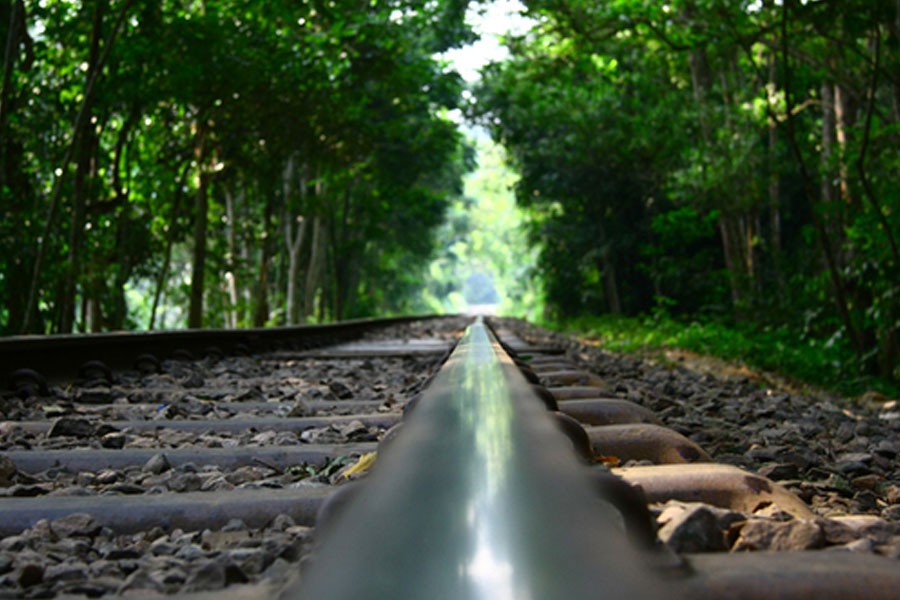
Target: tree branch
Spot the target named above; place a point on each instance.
(869, 193)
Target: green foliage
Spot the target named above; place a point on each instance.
(295, 154)
(778, 350)
(682, 260)
(724, 159)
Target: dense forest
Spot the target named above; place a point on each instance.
(228, 163)
(725, 159)
(221, 162)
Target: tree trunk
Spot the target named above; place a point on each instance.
(888, 333)
(231, 315)
(293, 245)
(84, 172)
(314, 270)
(611, 285)
(247, 250)
(895, 33)
(774, 188)
(351, 291)
(829, 141)
(293, 240)
(868, 190)
(342, 261)
(701, 80)
(261, 313)
(737, 233)
(85, 176)
(16, 29)
(317, 253)
(338, 265)
(94, 313)
(122, 266)
(170, 242)
(15, 182)
(748, 249)
(845, 118)
(201, 208)
(82, 319)
(726, 235)
(607, 268)
(775, 233)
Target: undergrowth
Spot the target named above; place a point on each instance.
(774, 349)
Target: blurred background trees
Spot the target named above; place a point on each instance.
(484, 260)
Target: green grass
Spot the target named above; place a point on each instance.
(774, 349)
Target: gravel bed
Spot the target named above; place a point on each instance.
(187, 390)
(444, 328)
(75, 555)
(840, 455)
(158, 476)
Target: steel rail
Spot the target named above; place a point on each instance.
(480, 496)
(60, 356)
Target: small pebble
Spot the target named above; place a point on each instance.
(71, 426)
(77, 524)
(158, 463)
(8, 470)
(891, 513)
(235, 525)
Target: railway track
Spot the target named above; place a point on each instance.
(200, 471)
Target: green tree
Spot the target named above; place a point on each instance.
(145, 140)
(647, 134)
